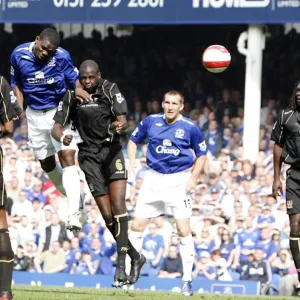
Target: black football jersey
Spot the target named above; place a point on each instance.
(93, 119)
(9, 107)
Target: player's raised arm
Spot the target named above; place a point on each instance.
(199, 146)
(71, 75)
(138, 135)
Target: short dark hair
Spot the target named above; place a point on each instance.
(51, 35)
(176, 93)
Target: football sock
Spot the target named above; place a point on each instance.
(71, 183)
(121, 236)
(187, 253)
(295, 249)
(6, 261)
(56, 177)
(133, 254)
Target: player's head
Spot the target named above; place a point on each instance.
(89, 76)
(295, 99)
(173, 104)
(46, 43)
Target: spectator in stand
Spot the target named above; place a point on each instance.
(172, 265)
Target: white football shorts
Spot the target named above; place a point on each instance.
(158, 190)
(40, 124)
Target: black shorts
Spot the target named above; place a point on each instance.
(101, 168)
(3, 196)
(293, 191)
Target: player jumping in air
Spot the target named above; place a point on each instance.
(286, 136)
(40, 71)
(172, 175)
(100, 156)
(9, 109)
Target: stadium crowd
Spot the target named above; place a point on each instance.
(236, 222)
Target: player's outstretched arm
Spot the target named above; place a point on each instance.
(80, 93)
(18, 91)
(197, 168)
(57, 134)
(131, 150)
(277, 159)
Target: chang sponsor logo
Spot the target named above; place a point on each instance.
(164, 148)
(40, 78)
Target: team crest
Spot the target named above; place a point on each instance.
(179, 133)
(119, 165)
(51, 62)
(167, 143)
(289, 204)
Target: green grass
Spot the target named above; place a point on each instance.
(49, 293)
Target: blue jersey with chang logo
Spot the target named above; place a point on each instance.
(172, 147)
(43, 82)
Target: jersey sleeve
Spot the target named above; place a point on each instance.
(278, 133)
(119, 101)
(15, 71)
(62, 115)
(7, 111)
(70, 71)
(140, 133)
(197, 141)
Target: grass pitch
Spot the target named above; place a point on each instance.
(51, 293)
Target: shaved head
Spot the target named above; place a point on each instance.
(89, 64)
(89, 76)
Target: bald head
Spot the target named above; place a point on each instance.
(89, 65)
(89, 76)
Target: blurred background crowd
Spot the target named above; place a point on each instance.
(235, 220)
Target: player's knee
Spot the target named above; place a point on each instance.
(183, 231)
(67, 158)
(108, 219)
(295, 224)
(48, 164)
(139, 225)
(3, 220)
(118, 207)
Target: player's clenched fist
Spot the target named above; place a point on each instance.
(67, 139)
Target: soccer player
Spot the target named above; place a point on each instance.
(286, 136)
(9, 109)
(100, 156)
(40, 72)
(172, 174)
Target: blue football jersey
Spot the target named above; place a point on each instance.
(43, 82)
(172, 148)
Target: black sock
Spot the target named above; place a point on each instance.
(295, 249)
(6, 261)
(121, 236)
(133, 254)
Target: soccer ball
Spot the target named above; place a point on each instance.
(216, 58)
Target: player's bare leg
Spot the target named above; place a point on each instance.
(187, 253)
(6, 258)
(71, 183)
(54, 172)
